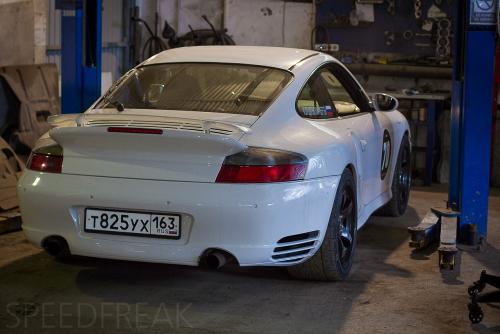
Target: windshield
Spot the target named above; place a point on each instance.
(209, 87)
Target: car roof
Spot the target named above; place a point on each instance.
(284, 58)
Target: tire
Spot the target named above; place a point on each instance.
(333, 260)
(400, 183)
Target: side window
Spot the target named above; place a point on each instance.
(339, 95)
(314, 100)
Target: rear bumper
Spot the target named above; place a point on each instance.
(244, 220)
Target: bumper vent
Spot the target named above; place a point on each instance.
(295, 248)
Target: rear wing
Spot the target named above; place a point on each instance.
(178, 155)
(235, 131)
(99, 140)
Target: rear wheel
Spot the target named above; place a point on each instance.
(333, 261)
(400, 183)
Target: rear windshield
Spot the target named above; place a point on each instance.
(221, 88)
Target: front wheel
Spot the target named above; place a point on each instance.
(401, 181)
(333, 261)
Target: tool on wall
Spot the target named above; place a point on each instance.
(443, 44)
(427, 25)
(353, 18)
(316, 42)
(418, 9)
(391, 7)
(335, 20)
(423, 45)
(395, 36)
(210, 36)
(408, 34)
(389, 37)
(154, 44)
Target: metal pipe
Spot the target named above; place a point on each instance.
(401, 71)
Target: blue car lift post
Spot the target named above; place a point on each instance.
(81, 48)
(466, 216)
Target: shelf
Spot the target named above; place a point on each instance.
(418, 123)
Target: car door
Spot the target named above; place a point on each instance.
(369, 130)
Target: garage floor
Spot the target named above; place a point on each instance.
(389, 291)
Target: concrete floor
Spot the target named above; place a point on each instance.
(390, 290)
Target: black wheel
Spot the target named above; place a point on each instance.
(333, 260)
(475, 313)
(472, 290)
(476, 288)
(401, 182)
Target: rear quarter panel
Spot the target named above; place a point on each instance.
(280, 127)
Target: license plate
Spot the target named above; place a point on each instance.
(133, 223)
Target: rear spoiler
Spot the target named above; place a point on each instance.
(147, 121)
(100, 140)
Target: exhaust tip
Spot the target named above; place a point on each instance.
(215, 259)
(56, 246)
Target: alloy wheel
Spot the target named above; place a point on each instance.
(346, 223)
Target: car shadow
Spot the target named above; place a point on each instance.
(266, 293)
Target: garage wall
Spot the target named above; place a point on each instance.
(37, 26)
(256, 22)
(26, 20)
(273, 23)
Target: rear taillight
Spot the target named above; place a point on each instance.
(47, 159)
(261, 165)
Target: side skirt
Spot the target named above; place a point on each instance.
(371, 207)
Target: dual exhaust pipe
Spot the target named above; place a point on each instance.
(215, 259)
(56, 246)
(211, 259)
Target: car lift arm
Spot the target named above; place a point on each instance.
(81, 48)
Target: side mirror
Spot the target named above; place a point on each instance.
(384, 102)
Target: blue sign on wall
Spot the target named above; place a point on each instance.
(483, 12)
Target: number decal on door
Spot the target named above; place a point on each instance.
(386, 154)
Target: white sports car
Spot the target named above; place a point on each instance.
(267, 156)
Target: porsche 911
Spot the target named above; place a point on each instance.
(201, 155)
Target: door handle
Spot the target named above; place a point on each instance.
(363, 142)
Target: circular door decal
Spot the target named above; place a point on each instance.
(386, 154)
